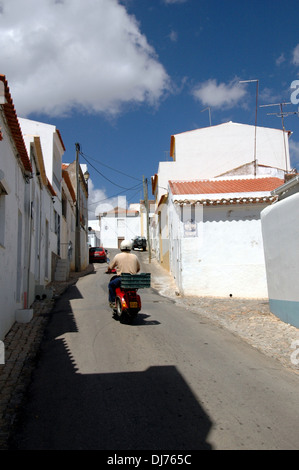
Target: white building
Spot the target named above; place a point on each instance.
(15, 174)
(52, 149)
(280, 228)
(62, 177)
(121, 223)
(94, 233)
(213, 235)
(41, 227)
(217, 150)
(206, 229)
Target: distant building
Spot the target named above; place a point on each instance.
(119, 224)
(94, 233)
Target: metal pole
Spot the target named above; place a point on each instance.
(256, 101)
(147, 218)
(284, 140)
(282, 114)
(77, 234)
(209, 114)
(257, 91)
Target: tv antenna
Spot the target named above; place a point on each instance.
(209, 113)
(281, 114)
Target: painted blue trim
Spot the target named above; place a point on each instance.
(286, 310)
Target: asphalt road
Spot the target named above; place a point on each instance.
(169, 381)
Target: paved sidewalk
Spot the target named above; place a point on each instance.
(249, 319)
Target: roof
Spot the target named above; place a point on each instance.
(246, 185)
(232, 191)
(50, 188)
(14, 126)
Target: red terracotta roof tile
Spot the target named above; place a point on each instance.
(247, 185)
(14, 126)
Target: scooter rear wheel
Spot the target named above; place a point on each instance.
(119, 311)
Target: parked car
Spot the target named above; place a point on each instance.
(97, 254)
(139, 242)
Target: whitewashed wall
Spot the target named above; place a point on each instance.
(212, 151)
(112, 229)
(280, 228)
(13, 223)
(225, 257)
(52, 150)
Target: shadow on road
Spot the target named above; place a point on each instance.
(65, 410)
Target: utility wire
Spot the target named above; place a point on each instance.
(115, 195)
(117, 171)
(98, 171)
(107, 166)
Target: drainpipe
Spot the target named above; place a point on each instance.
(78, 224)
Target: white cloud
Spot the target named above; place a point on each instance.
(221, 95)
(280, 59)
(173, 36)
(60, 55)
(296, 55)
(99, 202)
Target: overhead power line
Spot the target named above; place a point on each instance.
(139, 185)
(107, 166)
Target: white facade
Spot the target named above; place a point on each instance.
(280, 229)
(94, 233)
(119, 224)
(15, 173)
(222, 254)
(37, 212)
(52, 150)
(13, 227)
(41, 226)
(212, 242)
(213, 151)
(215, 248)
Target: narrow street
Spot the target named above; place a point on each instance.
(170, 381)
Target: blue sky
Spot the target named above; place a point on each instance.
(120, 77)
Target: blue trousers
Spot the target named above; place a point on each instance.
(112, 288)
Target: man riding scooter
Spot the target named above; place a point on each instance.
(124, 262)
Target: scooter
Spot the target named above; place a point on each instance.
(128, 302)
